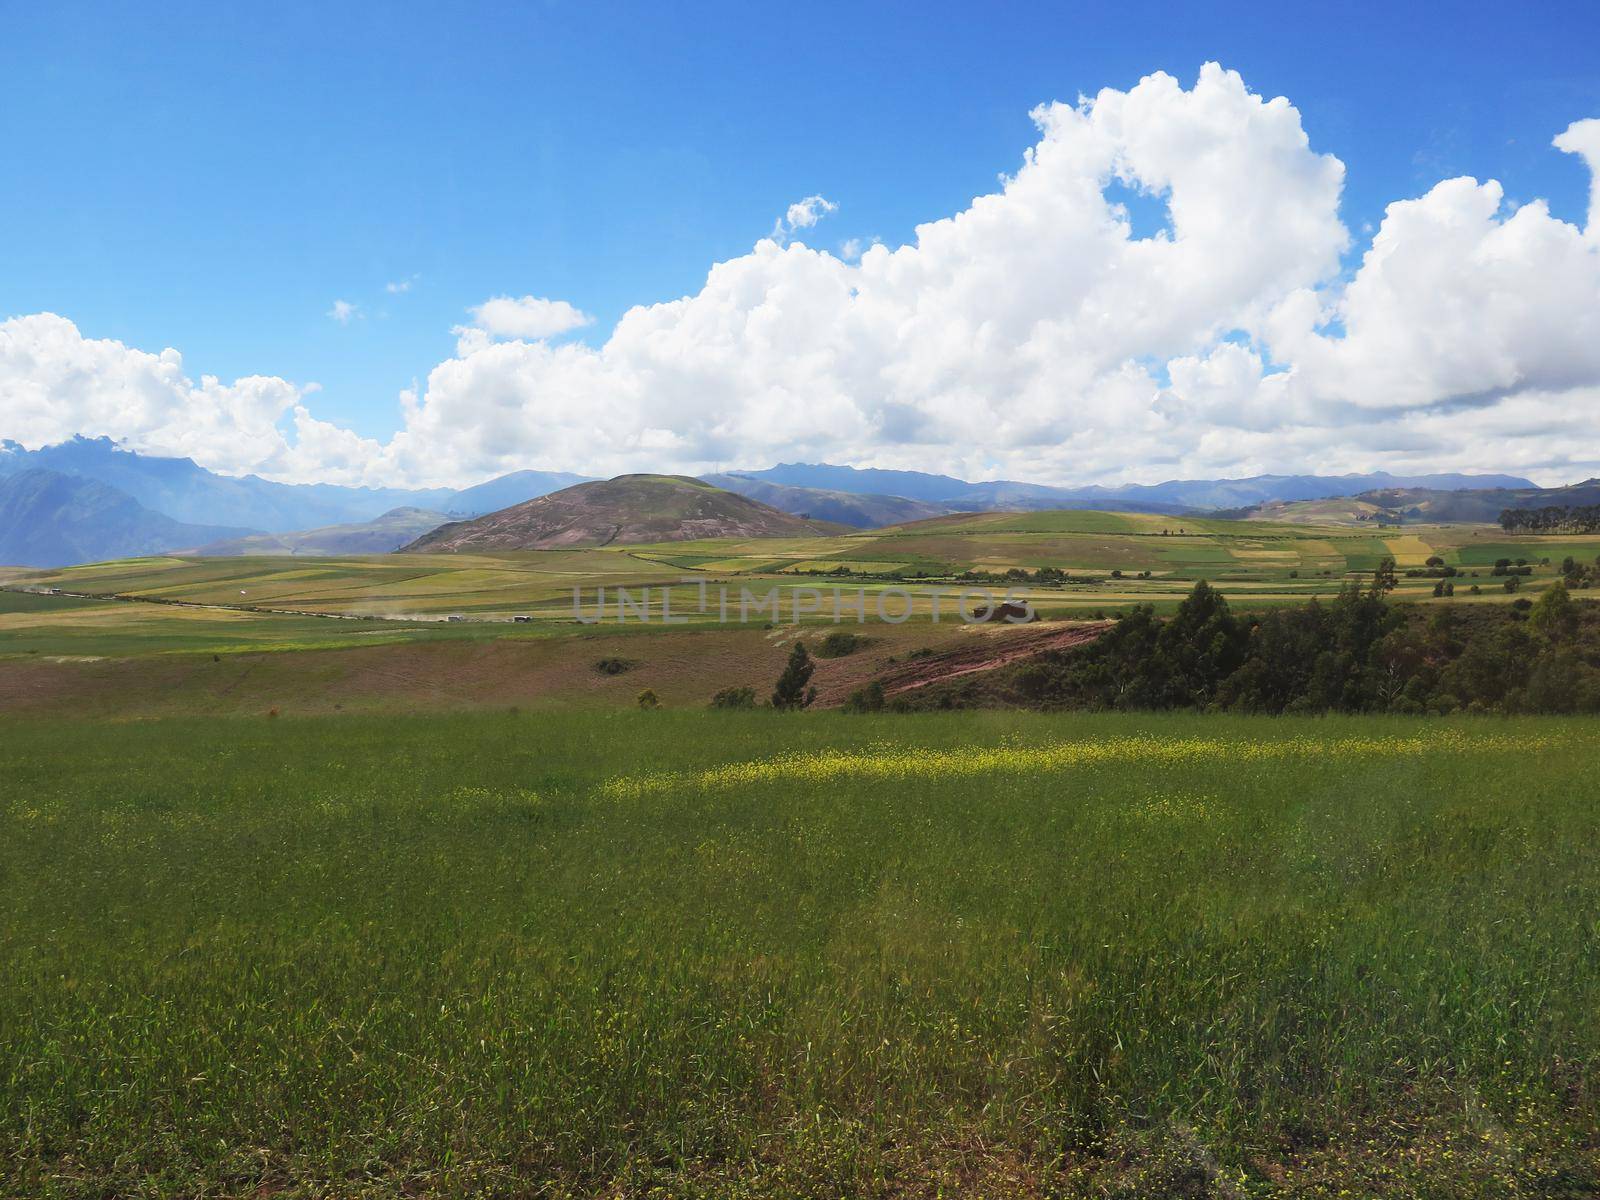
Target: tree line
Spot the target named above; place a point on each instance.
(1552, 518)
(1356, 653)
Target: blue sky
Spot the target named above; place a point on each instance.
(213, 177)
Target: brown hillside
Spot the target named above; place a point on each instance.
(627, 509)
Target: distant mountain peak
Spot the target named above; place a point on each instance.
(51, 519)
(187, 492)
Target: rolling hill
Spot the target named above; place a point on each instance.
(1427, 504)
(1107, 556)
(48, 519)
(627, 510)
(1338, 510)
(1434, 506)
(389, 532)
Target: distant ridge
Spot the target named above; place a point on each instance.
(1173, 496)
(510, 489)
(186, 491)
(627, 509)
(1431, 505)
(379, 536)
(860, 510)
(224, 508)
(48, 519)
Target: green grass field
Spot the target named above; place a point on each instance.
(172, 636)
(1254, 563)
(725, 955)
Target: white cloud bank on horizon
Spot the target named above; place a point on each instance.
(1030, 336)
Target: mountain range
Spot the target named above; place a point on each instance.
(861, 510)
(380, 535)
(1415, 504)
(1174, 496)
(148, 504)
(1431, 504)
(186, 491)
(87, 499)
(48, 519)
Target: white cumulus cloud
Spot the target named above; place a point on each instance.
(1583, 139)
(802, 214)
(55, 383)
(529, 317)
(344, 311)
(1030, 335)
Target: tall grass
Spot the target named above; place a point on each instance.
(701, 953)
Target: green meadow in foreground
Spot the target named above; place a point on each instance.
(751, 955)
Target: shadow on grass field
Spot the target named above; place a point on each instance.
(750, 955)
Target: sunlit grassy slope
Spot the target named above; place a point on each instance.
(743, 956)
(1115, 560)
(1254, 558)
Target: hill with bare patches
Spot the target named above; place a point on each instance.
(625, 510)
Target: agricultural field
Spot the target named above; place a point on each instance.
(746, 955)
(1257, 562)
(1262, 553)
(435, 667)
(309, 890)
(403, 632)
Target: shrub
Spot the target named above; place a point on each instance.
(840, 643)
(648, 699)
(867, 699)
(734, 697)
(614, 666)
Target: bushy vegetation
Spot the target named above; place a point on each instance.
(1358, 653)
(865, 699)
(839, 643)
(1552, 518)
(1578, 574)
(739, 955)
(1042, 577)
